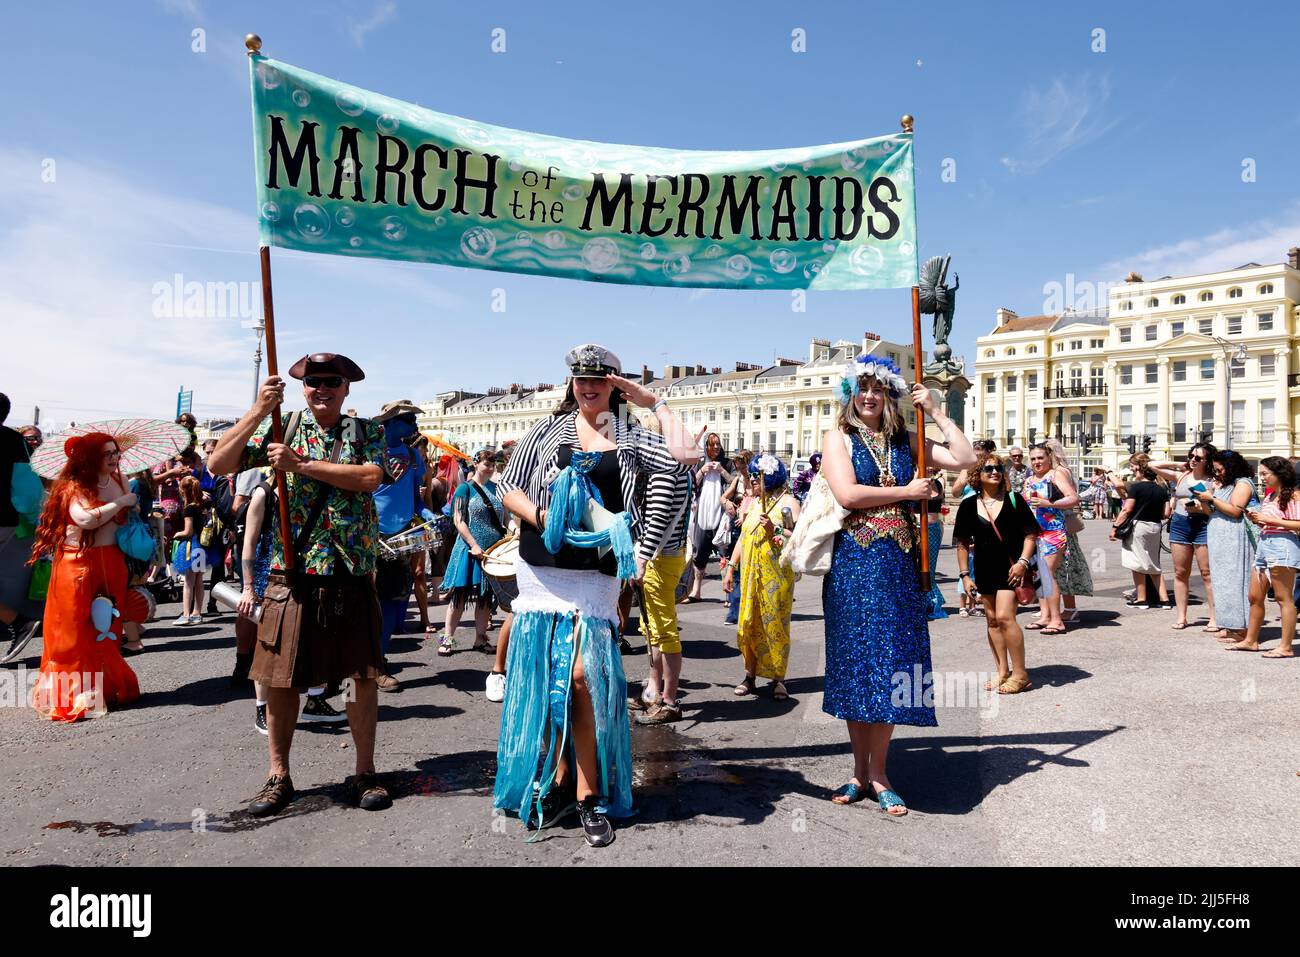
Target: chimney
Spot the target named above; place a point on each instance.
(1133, 277)
(646, 375)
(699, 370)
(717, 370)
(1004, 316)
(1293, 257)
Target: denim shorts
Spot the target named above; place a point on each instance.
(1188, 529)
(1274, 550)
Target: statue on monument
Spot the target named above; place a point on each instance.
(940, 301)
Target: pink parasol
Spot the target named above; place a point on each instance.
(144, 444)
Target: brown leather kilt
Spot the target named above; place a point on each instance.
(317, 630)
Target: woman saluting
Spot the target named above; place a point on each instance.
(564, 729)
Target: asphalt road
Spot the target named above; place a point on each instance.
(1139, 745)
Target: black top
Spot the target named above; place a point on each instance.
(13, 450)
(1151, 499)
(991, 561)
(605, 477)
(195, 512)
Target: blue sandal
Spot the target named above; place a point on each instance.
(854, 793)
(890, 799)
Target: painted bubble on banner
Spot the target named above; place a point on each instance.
(345, 216)
(573, 193)
(269, 76)
(351, 102)
(677, 266)
(523, 239)
(739, 266)
(311, 221)
(865, 260)
(783, 260)
(829, 247)
(713, 251)
(813, 269)
(479, 242)
(600, 255)
(854, 160)
(387, 124)
(440, 221)
(301, 98)
(905, 248)
(475, 134)
(648, 251)
(392, 228)
(355, 242)
(555, 240)
(271, 212)
(777, 167)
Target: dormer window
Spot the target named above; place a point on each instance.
(1152, 303)
(1234, 292)
(1179, 300)
(1206, 296)
(1266, 289)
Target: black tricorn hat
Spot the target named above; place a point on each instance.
(326, 362)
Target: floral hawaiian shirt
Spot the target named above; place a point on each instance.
(349, 525)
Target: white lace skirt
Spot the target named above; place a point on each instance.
(563, 590)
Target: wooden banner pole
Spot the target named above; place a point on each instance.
(277, 427)
(907, 123)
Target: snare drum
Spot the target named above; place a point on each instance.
(422, 538)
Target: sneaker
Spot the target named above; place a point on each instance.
(14, 638)
(260, 721)
(275, 796)
(596, 829)
(183, 621)
(388, 683)
(318, 710)
(496, 687)
(368, 794)
(664, 714)
(560, 801)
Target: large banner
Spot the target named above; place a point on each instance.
(347, 171)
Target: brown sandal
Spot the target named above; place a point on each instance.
(745, 687)
(1015, 685)
(994, 683)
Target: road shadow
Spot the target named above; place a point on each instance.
(708, 649)
(400, 712)
(206, 692)
(1057, 676)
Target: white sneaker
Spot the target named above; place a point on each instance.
(183, 620)
(496, 688)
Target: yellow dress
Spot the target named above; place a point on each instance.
(766, 598)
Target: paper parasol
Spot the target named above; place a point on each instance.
(144, 444)
(444, 443)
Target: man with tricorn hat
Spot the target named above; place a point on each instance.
(320, 620)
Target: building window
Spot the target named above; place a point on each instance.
(726, 415)
(1032, 350)
(990, 386)
(826, 380)
(1125, 375)
(1207, 420)
(1076, 345)
(771, 412)
(1098, 376)
(988, 424)
(1266, 421)
(1267, 365)
(807, 383)
(1234, 292)
(1153, 373)
(771, 441)
(1266, 289)
(1176, 329)
(1060, 379)
(1180, 422)
(1237, 370)
(1150, 333)
(1031, 381)
(1126, 306)
(1265, 321)
(1060, 347)
(1179, 299)
(713, 415)
(1011, 351)
(1206, 296)
(1076, 379)
(1180, 371)
(1125, 334)
(1125, 420)
(1205, 327)
(1234, 325)
(1096, 343)
(789, 411)
(807, 408)
(1237, 418)
(1011, 383)
(1011, 425)
(1149, 419)
(826, 408)
(1207, 369)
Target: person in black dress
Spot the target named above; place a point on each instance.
(996, 534)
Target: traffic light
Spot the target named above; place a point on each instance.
(1132, 445)
(1146, 443)
(1085, 442)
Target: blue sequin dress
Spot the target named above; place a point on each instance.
(877, 638)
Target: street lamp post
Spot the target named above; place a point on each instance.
(1235, 355)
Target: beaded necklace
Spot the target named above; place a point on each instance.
(878, 449)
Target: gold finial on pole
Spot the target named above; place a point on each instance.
(907, 122)
(254, 44)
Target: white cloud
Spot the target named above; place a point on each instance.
(382, 13)
(79, 259)
(1262, 242)
(1067, 114)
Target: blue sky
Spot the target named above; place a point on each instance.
(1068, 161)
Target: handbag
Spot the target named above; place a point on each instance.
(1026, 594)
(135, 539)
(812, 543)
(39, 586)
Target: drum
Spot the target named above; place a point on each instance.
(499, 569)
(422, 538)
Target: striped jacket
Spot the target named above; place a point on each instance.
(535, 462)
(667, 514)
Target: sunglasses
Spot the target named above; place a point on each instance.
(1196, 458)
(322, 381)
(992, 469)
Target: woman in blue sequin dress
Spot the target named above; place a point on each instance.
(877, 638)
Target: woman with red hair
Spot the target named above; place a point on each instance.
(82, 671)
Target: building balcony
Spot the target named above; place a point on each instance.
(1075, 392)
